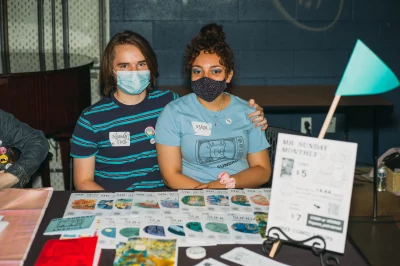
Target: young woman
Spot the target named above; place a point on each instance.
(205, 139)
(113, 141)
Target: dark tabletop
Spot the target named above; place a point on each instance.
(288, 254)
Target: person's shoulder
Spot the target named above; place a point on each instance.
(103, 104)
(163, 95)
(240, 103)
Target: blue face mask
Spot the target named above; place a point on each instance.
(133, 82)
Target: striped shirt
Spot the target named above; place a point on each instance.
(121, 137)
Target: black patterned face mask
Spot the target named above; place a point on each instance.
(208, 89)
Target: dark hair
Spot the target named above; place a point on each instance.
(211, 39)
(107, 81)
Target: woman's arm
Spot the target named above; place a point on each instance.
(170, 163)
(258, 173)
(84, 174)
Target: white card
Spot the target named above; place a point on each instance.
(247, 257)
(3, 225)
(201, 128)
(311, 192)
(211, 262)
(120, 138)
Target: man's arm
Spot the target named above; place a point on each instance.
(84, 174)
(31, 142)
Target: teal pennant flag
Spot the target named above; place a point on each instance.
(366, 74)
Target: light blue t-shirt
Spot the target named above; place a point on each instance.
(211, 142)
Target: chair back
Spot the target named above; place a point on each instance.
(272, 136)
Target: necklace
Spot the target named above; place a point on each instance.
(215, 117)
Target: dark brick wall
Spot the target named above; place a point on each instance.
(270, 50)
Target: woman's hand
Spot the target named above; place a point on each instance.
(258, 115)
(213, 184)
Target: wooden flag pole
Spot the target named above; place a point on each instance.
(329, 116)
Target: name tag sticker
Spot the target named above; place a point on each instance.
(120, 138)
(201, 128)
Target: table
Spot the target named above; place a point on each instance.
(288, 254)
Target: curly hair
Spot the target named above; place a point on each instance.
(211, 39)
(107, 81)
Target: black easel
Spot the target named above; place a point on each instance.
(318, 246)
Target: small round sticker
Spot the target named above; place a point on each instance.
(152, 141)
(229, 121)
(3, 150)
(149, 131)
(3, 158)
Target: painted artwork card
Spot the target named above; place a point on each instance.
(238, 201)
(192, 201)
(154, 227)
(127, 226)
(217, 200)
(145, 203)
(194, 229)
(259, 198)
(123, 202)
(216, 229)
(147, 251)
(244, 228)
(169, 202)
(81, 204)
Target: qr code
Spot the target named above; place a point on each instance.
(333, 209)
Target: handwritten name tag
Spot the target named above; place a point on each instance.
(201, 128)
(120, 138)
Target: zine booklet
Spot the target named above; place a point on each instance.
(106, 231)
(238, 201)
(123, 203)
(81, 204)
(176, 229)
(145, 203)
(191, 201)
(217, 200)
(168, 202)
(193, 228)
(259, 198)
(129, 227)
(216, 229)
(153, 227)
(244, 228)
